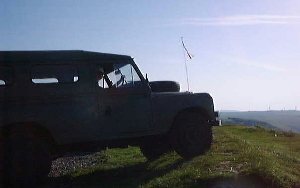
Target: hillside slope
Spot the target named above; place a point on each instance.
(240, 157)
(285, 120)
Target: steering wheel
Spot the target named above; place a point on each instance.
(123, 80)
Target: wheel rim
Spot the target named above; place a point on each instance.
(192, 135)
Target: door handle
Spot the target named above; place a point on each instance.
(107, 111)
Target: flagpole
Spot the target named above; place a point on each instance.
(185, 64)
(187, 73)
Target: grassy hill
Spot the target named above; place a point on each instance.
(240, 157)
(288, 120)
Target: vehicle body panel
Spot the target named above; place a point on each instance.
(80, 111)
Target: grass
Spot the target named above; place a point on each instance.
(262, 157)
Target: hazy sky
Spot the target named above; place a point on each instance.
(246, 53)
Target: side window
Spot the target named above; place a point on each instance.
(120, 75)
(53, 74)
(6, 75)
(101, 77)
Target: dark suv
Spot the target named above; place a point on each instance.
(54, 102)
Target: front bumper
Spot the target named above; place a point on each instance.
(216, 121)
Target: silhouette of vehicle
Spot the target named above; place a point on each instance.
(57, 102)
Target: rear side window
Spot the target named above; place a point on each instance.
(54, 74)
(6, 75)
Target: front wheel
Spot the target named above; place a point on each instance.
(154, 148)
(191, 135)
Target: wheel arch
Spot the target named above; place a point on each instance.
(31, 129)
(195, 109)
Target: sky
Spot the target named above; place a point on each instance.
(246, 54)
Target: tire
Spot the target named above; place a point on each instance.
(164, 86)
(27, 161)
(153, 150)
(191, 135)
(2, 163)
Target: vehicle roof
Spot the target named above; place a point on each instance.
(55, 55)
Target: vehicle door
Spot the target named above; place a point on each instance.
(123, 98)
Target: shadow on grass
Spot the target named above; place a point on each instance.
(139, 174)
(127, 176)
(246, 181)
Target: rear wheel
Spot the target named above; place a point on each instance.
(26, 160)
(192, 135)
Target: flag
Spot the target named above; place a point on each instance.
(187, 52)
